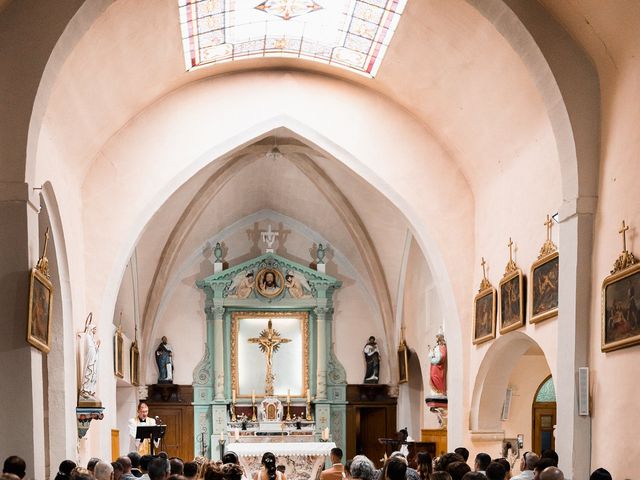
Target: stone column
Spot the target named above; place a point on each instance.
(321, 367)
(573, 433)
(21, 376)
(218, 351)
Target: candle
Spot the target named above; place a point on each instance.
(233, 396)
(253, 396)
(325, 434)
(288, 395)
(237, 434)
(308, 396)
(222, 436)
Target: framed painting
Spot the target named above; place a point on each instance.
(403, 362)
(621, 309)
(484, 316)
(118, 354)
(269, 282)
(40, 304)
(134, 364)
(512, 301)
(543, 290)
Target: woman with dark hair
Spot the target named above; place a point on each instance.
(424, 465)
(232, 471)
(64, 470)
(268, 470)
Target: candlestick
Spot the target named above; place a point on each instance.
(309, 416)
(253, 406)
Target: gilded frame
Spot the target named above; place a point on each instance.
(480, 301)
(40, 305)
(118, 354)
(613, 287)
(236, 317)
(134, 364)
(403, 362)
(279, 278)
(512, 283)
(550, 264)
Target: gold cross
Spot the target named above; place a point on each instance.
(510, 244)
(483, 263)
(269, 341)
(548, 224)
(623, 231)
(46, 243)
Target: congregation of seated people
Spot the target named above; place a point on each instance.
(449, 466)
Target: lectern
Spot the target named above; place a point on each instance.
(152, 432)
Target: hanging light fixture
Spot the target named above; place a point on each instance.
(275, 153)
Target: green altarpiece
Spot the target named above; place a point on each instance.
(268, 284)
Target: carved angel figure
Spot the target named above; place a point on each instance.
(297, 284)
(242, 285)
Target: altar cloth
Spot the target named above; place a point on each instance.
(287, 449)
(302, 460)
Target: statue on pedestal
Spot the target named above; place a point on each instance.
(372, 359)
(91, 347)
(438, 368)
(164, 360)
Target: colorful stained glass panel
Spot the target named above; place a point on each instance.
(352, 34)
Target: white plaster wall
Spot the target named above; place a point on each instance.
(515, 204)
(614, 396)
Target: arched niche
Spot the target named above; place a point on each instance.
(504, 367)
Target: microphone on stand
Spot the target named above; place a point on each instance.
(158, 420)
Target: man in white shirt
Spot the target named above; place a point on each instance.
(527, 464)
(142, 418)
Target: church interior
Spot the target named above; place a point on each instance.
(216, 220)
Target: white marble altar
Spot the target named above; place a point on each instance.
(303, 460)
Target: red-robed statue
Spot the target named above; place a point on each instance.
(438, 369)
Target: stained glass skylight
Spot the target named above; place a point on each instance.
(352, 34)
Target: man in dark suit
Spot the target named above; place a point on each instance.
(337, 469)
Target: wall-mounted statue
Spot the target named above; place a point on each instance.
(242, 285)
(297, 285)
(164, 360)
(372, 359)
(438, 368)
(91, 348)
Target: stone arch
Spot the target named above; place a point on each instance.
(60, 375)
(574, 133)
(492, 380)
(340, 153)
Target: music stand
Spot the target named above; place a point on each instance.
(151, 432)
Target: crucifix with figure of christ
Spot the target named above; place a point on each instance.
(269, 342)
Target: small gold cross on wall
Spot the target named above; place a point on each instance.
(623, 232)
(548, 224)
(510, 244)
(484, 272)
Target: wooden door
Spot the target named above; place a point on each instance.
(544, 419)
(371, 425)
(178, 439)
